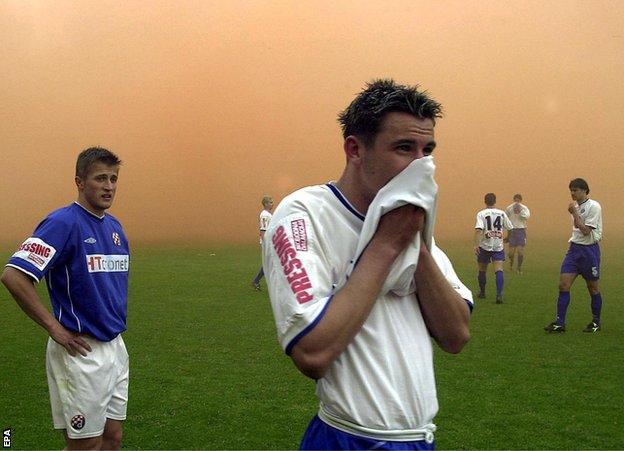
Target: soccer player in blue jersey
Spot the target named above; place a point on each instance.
(489, 229)
(83, 254)
(583, 256)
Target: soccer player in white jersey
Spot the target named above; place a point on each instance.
(518, 214)
(583, 256)
(489, 235)
(369, 351)
(83, 253)
(265, 219)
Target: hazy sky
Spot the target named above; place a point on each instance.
(211, 104)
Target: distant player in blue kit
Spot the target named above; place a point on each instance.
(489, 235)
(518, 214)
(265, 220)
(84, 256)
(583, 256)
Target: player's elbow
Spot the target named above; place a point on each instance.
(455, 342)
(311, 364)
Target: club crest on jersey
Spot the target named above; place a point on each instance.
(36, 251)
(116, 239)
(299, 234)
(77, 422)
(295, 272)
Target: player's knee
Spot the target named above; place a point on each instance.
(94, 443)
(564, 286)
(112, 440)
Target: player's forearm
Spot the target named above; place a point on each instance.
(477, 237)
(346, 314)
(446, 314)
(25, 294)
(579, 224)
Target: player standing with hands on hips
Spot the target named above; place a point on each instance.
(83, 253)
(360, 325)
(583, 256)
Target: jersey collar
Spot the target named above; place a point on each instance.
(344, 201)
(92, 214)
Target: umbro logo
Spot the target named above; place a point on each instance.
(90, 240)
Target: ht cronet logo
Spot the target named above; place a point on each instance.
(296, 275)
(107, 263)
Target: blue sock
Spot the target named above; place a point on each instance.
(596, 306)
(562, 306)
(259, 276)
(499, 283)
(481, 279)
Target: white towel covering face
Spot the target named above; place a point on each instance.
(414, 185)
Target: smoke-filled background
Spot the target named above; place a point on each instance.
(212, 104)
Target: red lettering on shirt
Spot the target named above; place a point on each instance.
(295, 273)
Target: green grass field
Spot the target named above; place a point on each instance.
(207, 371)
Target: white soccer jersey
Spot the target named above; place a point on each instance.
(492, 221)
(518, 220)
(382, 385)
(590, 212)
(265, 220)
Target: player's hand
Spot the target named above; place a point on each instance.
(572, 207)
(71, 341)
(517, 209)
(398, 227)
(477, 250)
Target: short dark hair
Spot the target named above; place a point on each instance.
(364, 115)
(579, 183)
(93, 155)
(490, 199)
(517, 196)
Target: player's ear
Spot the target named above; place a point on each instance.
(79, 182)
(353, 148)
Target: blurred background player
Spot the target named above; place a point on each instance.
(583, 256)
(83, 253)
(518, 214)
(368, 348)
(265, 219)
(489, 247)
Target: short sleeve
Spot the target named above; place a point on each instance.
(479, 224)
(298, 276)
(43, 249)
(449, 273)
(593, 216)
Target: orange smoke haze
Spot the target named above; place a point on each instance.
(212, 104)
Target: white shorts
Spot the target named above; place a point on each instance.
(85, 391)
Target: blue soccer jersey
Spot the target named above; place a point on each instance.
(85, 261)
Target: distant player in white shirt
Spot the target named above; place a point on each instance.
(518, 214)
(489, 236)
(369, 350)
(265, 219)
(583, 256)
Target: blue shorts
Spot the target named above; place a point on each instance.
(583, 260)
(517, 237)
(321, 436)
(490, 256)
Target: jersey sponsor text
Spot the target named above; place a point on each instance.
(36, 251)
(299, 234)
(107, 263)
(296, 274)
